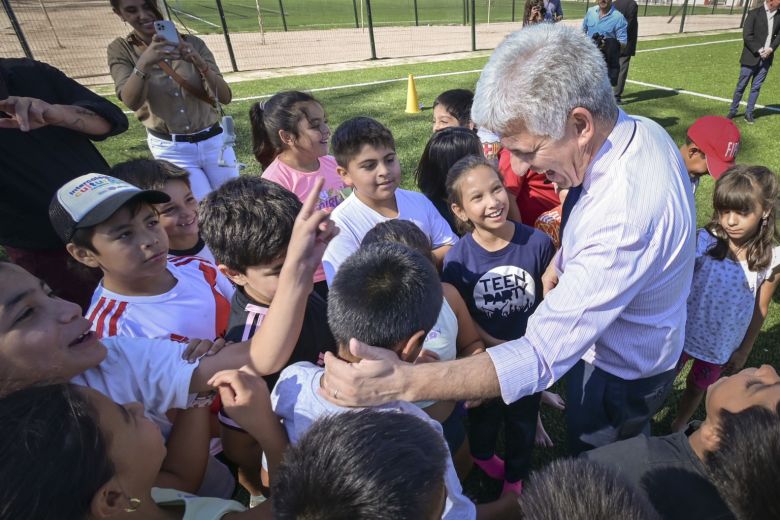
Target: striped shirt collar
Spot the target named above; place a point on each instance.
(616, 144)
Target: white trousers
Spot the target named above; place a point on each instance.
(201, 160)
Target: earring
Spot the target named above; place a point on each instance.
(135, 503)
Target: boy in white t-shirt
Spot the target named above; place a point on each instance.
(114, 226)
(365, 153)
(389, 296)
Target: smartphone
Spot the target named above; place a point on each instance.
(167, 30)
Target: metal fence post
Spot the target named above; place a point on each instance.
(693, 9)
(284, 17)
(17, 29)
(416, 18)
(731, 11)
(513, 10)
(646, 1)
(671, 4)
(684, 10)
(354, 8)
(473, 25)
(744, 13)
(371, 30)
(587, 5)
(227, 35)
(714, 5)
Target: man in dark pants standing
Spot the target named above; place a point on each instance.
(628, 9)
(761, 39)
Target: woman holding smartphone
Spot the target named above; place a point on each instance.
(175, 90)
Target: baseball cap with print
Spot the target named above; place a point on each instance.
(88, 200)
(718, 138)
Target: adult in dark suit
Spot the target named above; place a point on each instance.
(628, 9)
(761, 35)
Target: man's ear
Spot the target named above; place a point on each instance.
(83, 255)
(411, 349)
(109, 501)
(710, 436)
(583, 125)
(344, 174)
(232, 275)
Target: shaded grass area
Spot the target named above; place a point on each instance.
(710, 70)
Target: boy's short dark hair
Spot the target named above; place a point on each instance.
(397, 231)
(362, 464)
(248, 222)
(351, 135)
(382, 295)
(579, 489)
(458, 104)
(149, 174)
(745, 467)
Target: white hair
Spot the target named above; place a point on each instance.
(537, 76)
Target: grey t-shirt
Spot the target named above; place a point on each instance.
(669, 472)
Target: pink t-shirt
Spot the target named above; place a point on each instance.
(301, 183)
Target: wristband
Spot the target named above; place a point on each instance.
(203, 400)
(141, 74)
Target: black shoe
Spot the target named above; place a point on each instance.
(749, 119)
(731, 115)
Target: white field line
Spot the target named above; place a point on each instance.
(477, 71)
(184, 13)
(696, 94)
(688, 45)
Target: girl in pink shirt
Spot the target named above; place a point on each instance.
(290, 141)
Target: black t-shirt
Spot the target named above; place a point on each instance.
(669, 472)
(315, 339)
(34, 164)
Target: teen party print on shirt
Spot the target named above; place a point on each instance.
(505, 290)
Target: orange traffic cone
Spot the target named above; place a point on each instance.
(412, 103)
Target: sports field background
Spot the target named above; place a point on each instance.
(242, 15)
(702, 65)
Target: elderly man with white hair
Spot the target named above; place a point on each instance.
(614, 322)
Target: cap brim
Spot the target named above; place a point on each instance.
(716, 167)
(108, 207)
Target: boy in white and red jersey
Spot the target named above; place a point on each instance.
(112, 225)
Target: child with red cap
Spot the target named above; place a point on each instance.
(711, 146)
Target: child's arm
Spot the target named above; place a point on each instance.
(468, 342)
(438, 255)
(273, 343)
(248, 402)
(188, 451)
(763, 298)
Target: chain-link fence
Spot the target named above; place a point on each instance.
(260, 34)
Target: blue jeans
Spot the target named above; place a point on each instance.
(602, 408)
(758, 73)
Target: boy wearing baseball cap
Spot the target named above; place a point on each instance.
(711, 146)
(109, 224)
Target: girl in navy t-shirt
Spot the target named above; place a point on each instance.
(497, 267)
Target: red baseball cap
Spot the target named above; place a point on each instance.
(718, 138)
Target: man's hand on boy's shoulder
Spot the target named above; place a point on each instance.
(312, 231)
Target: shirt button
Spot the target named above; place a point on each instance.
(181, 110)
(187, 127)
(175, 93)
